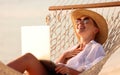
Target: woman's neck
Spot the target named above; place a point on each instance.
(85, 41)
(86, 38)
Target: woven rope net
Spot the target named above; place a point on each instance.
(62, 35)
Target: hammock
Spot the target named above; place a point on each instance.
(62, 35)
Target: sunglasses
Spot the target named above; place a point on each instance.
(85, 20)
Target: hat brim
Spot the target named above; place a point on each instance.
(100, 21)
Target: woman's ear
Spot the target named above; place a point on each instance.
(96, 30)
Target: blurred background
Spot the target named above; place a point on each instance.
(15, 14)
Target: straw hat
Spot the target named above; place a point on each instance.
(100, 21)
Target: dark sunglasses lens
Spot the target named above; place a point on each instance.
(85, 20)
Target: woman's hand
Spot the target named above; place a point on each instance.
(68, 54)
(72, 53)
(64, 70)
(61, 68)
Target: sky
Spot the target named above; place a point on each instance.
(24, 11)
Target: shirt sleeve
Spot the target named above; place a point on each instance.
(96, 54)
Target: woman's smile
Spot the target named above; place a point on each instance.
(81, 28)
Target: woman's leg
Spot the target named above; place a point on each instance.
(28, 63)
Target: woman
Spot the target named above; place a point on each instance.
(91, 31)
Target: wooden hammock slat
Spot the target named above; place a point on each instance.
(95, 5)
(5, 70)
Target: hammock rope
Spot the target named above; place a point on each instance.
(61, 31)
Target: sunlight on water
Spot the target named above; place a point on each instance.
(35, 39)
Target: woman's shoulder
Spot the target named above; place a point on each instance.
(96, 43)
(97, 46)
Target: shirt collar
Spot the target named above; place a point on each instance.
(92, 42)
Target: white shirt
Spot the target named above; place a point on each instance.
(92, 53)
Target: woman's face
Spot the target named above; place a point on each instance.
(85, 25)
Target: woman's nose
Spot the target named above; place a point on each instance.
(79, 25)
(80, 22)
